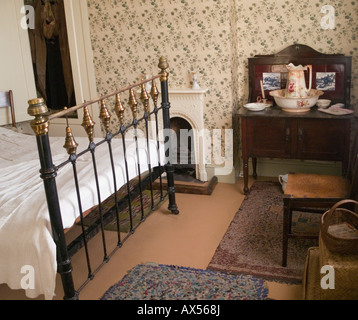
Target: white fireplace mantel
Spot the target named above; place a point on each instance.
(189, 104)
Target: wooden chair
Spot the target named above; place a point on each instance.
(316, 193)
(7, 101)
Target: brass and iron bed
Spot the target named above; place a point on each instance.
(37, 210)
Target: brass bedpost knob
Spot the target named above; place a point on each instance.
(88, 124)
(133, 103)
(119, 109)
(144, 97)
(163, 65)
(105, 116)
(154, 93)
(38, 109)
(70, 142)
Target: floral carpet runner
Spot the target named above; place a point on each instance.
(163, 282)
(123, 215)
(253, 241)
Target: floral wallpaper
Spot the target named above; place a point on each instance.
(213, 38)
(129, 36)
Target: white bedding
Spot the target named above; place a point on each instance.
(25, 230)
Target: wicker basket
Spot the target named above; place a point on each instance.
(339, 229)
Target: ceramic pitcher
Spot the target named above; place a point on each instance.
(296, 83)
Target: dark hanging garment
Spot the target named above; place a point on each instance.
(51, 55)
(55, 82)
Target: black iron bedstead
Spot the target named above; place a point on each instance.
(141, 116)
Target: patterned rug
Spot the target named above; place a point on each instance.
(163, 282)
(123, 215)
(253, 241)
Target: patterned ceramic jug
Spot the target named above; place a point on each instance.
(296, 83)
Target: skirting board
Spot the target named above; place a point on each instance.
(276, 167)
(224, 175)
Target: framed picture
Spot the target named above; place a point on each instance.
(326, 81)
(271, 81)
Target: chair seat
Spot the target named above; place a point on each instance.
(310, 192)
(306, 185)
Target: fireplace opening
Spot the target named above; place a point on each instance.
(188, 156)
(185, 167)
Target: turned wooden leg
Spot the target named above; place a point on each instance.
(285, 231)
(246, 175)
(254, 166)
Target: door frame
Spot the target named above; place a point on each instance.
(81, 53)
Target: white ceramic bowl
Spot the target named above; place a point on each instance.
(255, 106)
(296, 104)
(323, 103)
